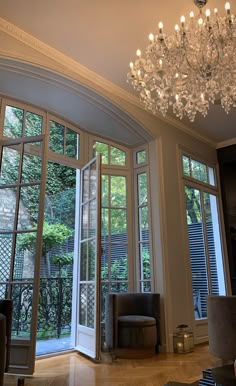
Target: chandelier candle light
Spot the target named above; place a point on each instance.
(190, 69)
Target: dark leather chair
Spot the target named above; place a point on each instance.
(132, 326)
(5, 336)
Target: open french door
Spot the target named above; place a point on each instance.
(88, 335)
(22, 207)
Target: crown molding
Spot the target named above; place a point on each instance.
(73, 69)
(229, 142)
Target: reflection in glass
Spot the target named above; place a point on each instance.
(92, 218)
(214, 245)
(85, 212)
(33, 124)
(91, 260)
(13, 122)
(85, 178)
(93, 180)
(83, 261)
(9, 173)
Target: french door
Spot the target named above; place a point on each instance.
(88, 335)
(21, 205)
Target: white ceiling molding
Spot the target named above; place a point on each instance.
(85, 77)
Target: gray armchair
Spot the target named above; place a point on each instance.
(132, 325)
(5, 336)
(221, 312)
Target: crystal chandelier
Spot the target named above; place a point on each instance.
(190, 69)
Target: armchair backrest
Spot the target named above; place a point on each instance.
(120, 304)
(6, 307)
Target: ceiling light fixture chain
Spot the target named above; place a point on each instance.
(190, 69)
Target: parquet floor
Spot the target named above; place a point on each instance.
(75, 370)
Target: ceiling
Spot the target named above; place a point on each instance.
(104, 36)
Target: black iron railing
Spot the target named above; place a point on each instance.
(54, 311)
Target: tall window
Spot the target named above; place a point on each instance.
(142, 211)
(203, 233)
(114, 273)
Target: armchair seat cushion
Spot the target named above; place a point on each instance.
(136, 321)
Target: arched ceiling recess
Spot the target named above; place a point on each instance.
(67, 98)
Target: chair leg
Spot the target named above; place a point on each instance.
(20, 381)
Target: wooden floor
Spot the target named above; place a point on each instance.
(75, 370)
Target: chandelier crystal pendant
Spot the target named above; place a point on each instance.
(190, 69)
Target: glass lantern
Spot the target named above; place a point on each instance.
(183, 339)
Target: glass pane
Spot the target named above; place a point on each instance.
(85, 212)
(100, 147)
(199, 171)
(10, 165)
(72, 143)
(31, 168)
(56, 137)
(5, 260)
(104, 262)
(25, 256)
(197, 251)
(93, 180)
(60, 194)
(214, 245)
(142, 188)
(104, 292)
(105, 224)
(105, 190)
(118, 191)
(13, 122)
(83, 261)
(141, 156)
(145, 286)
(211, 176)
(8, 208)
(119, 287)
(33, 124)
(22, 296)
(143, 223)
(117, 156)
(145, 262)
(82, 304)
(92, 218)
(186, 166)
(119, 262)
(28, 207)
(90, 305)
(85, 179)
(91, 260)
(118, 224)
